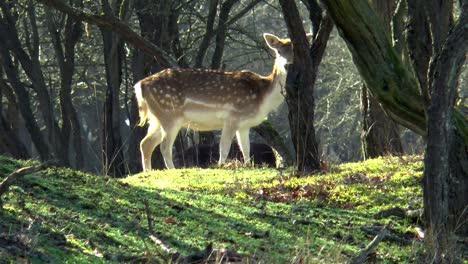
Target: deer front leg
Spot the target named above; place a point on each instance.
(244, 143)
(225, 143)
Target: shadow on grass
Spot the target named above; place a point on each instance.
(99, 218)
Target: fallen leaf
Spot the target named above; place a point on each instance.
(170, 221)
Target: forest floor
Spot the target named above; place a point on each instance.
(259, 215)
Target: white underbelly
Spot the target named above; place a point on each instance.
(204, 116)
(215, 120)
(204, 121)
(253, 120)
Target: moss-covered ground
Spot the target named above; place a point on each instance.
(266, 215)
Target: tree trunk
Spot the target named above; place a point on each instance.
(9, 141)
(398, 27)
(380, 135)
(274, 140)
(419, 44)
(445, 172)
(440, 14)
(217, 58)
(379, 65)
(32, 67)
(205, 43)
(445, 182)
(66, 60)
(137, 133)
(73, 32)
(113, 157)
(22, 97)
(300, 93)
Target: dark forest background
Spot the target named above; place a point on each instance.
(63, 79)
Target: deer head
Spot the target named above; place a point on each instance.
(207, 100)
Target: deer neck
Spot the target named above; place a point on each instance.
(277, 88)
(279, 73)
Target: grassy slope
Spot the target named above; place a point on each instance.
(60, 214)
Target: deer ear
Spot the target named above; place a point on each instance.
(272, 40)
(309, 36)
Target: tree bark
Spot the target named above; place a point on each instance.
(205, 43)
(300, 93)
(66, 60)
(445, 182)
(112, 142)
(440, 14)
(22, 97)
(112, 147)
(445, 172)
(73, 34)
(398, 27)
(379, 65)
(9, 141)
(137, 133)
(221, 34)
(380, 135)
(419, 44)
(158, 25)
(274, 140)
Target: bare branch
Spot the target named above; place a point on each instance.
(8, 181)
(114, 24)
(366, 251)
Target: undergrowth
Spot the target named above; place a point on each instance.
(264, 215)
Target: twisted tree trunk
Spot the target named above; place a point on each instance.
(446, 127)
(380, 135)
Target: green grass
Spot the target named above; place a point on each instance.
(267, 215)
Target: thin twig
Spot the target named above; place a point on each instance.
(8, 181)
(148, 217)
(390, 236)
(361, 258)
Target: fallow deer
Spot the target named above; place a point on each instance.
(206, 100)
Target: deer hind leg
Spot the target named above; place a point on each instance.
(225, 143)
(153, 138)
(243, 140)
(168, 142)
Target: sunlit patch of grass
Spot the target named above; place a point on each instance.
(268, 214)
(199, 179)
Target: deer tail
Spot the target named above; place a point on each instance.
(142, 105)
